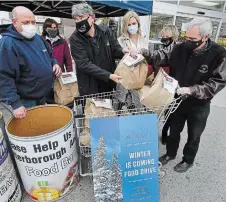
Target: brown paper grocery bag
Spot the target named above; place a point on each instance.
(91, 110)
(133, 77)
(85, 138)
(156, 96)
(65, 93)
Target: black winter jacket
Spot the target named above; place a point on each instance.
(93, 70)
(204, 74)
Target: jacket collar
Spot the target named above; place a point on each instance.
(53, 40)
(203, 50)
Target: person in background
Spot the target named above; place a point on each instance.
(60, 49)
(160, 58)
(131, 38)
(199, 65)
(26, 64)
(59, 45)
(3, 28)
(94, 49)
(131, 33)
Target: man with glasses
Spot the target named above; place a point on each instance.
(94, 49)
(26, 65)
(199, 65)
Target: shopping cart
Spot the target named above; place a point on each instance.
(120, 109)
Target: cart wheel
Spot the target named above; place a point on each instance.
(161, 173)
(159, 165)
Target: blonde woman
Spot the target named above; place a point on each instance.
(160, 58)
(132, 40)
(131, 33)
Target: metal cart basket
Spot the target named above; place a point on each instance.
(120, 109)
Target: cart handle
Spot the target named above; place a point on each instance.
(184, 97)
(78, 116)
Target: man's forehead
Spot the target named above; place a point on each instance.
(195, 29)
(26, 17)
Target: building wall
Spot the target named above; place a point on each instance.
(165, 12)
(4, 17)
(180, 11)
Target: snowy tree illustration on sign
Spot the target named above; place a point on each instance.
(107, 176)
(115, 180)
(100, 159)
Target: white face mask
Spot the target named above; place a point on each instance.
(133, 29)
(28, 31)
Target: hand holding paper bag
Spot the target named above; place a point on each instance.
(65, 88)
(133, 72)
(160, 93)
(115, 78)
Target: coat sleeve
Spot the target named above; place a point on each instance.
(53, 60)
(84, 64)
(208, 89)
(120, 41)
(9, 75)
(67, 57)
(172, 66)
(150, 57)
(115, 46)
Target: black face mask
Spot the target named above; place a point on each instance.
(167, 41)
(52, 33)
(192, 45)
(83, 26)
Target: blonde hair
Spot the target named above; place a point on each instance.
(172, 29)
(126, 18)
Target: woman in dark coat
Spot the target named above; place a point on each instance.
(59, 45)
(160, 59)
(60, 49)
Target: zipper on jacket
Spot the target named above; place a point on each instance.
(98, 41)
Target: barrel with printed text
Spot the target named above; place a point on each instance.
(44, 146)
(10, 190)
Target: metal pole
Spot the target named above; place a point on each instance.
(219, 28)
(174, 19)
(224, 7)
(178, 2)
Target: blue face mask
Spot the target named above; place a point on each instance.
(133, 29)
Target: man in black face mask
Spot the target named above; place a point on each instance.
(94, 49)
(199, 65)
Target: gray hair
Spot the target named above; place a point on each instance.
(205, 26)
(82, 9)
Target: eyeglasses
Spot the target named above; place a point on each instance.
(80, 18)
(191, 38)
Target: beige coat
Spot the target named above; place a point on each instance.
(130, 97)
(126, 42)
